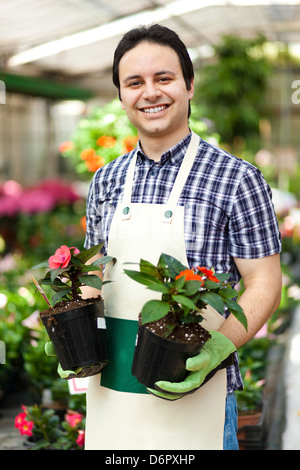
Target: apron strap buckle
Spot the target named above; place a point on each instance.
(126, 213)
(167, 216)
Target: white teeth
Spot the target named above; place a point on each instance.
(157, 109)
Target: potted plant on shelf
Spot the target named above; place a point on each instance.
(76, 326)
(169, 328)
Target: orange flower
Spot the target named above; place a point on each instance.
(64, 146)
(92, 160)
(86, 154)
(189, 275)
(106, 141)
(130, 142)
(83, 223)
(95, 163)
(208, 273)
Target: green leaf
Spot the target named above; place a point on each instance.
(228, 293)
(211, 285)
(184, 301)
(59, 295)
(222, 276)
(237, 311)
(147, 280)
(171, 264)
(56, 272)
(85, 255)
(151, 269)
(154, 310)
(179, 283)
(91, 280)
(103, 260)
(44, 264)
(191, 287)
(214, 300)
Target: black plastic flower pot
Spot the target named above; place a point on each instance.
(158, 358)
(79, 338)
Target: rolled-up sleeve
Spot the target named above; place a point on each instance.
(253, 228)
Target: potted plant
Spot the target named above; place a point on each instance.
(76, 326)
(46, 431)
(169, 328)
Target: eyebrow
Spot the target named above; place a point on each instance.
(162, 72)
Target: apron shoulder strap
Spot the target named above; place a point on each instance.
(185, 168)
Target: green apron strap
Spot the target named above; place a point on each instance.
(121, 335)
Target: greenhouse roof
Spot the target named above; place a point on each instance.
(74, 40)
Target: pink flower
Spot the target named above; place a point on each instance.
(80, 439)
(73, 418)
(26, 429)
(61, 257)
(24, 426)
(36, 200)
(20, 418)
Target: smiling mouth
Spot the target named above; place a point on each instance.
(154, 110)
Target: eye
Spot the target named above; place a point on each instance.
(135, 83)
(164, 79)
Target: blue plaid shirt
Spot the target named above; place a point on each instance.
(228, 208)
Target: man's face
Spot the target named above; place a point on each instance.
(153, 91)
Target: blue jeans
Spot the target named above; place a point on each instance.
(230, 441)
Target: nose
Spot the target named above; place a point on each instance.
(151, 91)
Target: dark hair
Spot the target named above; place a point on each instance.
(156, 34)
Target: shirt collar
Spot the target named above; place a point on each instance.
(174, 154)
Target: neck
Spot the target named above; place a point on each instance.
(154, 147)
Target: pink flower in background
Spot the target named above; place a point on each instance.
(80, 438)
(61, 192)
(9, 205)
(41, 198)
(24, 426)
(61, 257)
(73, 418)
(36, 200)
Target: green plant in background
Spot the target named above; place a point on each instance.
(106, 133)
(99, 138)
(46, 431)
(232, 89)
(24, 337)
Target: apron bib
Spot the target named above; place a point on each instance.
(121, 414)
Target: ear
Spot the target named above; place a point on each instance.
(191, 90)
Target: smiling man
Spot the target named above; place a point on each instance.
(155, 96)
(222, 216)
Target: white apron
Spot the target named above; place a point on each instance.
(121, 414)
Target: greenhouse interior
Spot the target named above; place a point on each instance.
(61, 120)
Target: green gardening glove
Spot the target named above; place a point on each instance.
(215, 354)
(64, 374)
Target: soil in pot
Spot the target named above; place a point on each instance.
(159, 358)
(77, 335)
(192, 333)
